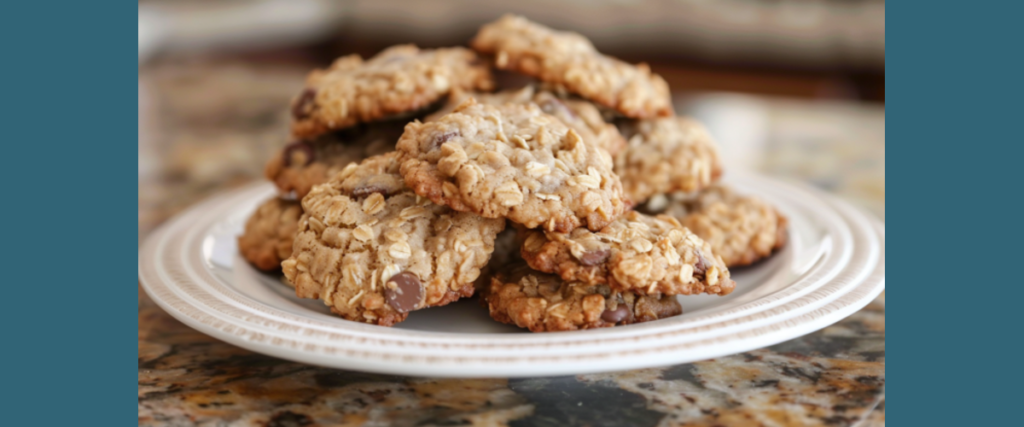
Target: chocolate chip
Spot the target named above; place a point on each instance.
(442, 138)
(367, 190)
(702, 264)
(304, 105)
(617, 315)
(406, 293)
(298, 148)
(590, 258)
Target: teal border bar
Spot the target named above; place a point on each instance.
(69, 115)
(954, 219)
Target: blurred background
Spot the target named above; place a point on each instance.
(791, 88)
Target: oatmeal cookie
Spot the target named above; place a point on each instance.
(543, 302)
(570, 61)
(302, 164)
(267, 239)
(512, 161)
(637, 253)
(398, 80)
(741, 229)
(581, 115)
(665, 155)
(373, 250)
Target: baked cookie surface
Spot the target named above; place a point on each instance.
(636, 253)
(666, 155)
(544, 303)
(581, 115)
(512, 161)
(300, 165)
(373, 251)
(397, 80)
(267, 239)
(740, 229)
(570, 60)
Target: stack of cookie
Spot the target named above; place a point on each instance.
(411, 184)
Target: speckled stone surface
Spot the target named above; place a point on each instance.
(191, 149)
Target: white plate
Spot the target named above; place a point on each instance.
(833, 265)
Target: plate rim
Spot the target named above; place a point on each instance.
(645, 328)
(865, 288)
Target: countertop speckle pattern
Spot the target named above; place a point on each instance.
(207, 126)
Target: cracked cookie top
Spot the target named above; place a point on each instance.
(512, 161)
(579, 114)
(570, 61)
(398, 80)
(666, 155)
(636, 253)
(740, 229)
(373, 251)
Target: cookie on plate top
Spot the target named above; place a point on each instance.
(512, 161)
(302, 164)
(569, 60)
(637, 253)
(398, 80)
(665, 155)
(741, 229)
(543, 302)
(267, 239)
(374, 251)
(581, 115)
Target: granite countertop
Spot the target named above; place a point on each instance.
(207, 127)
